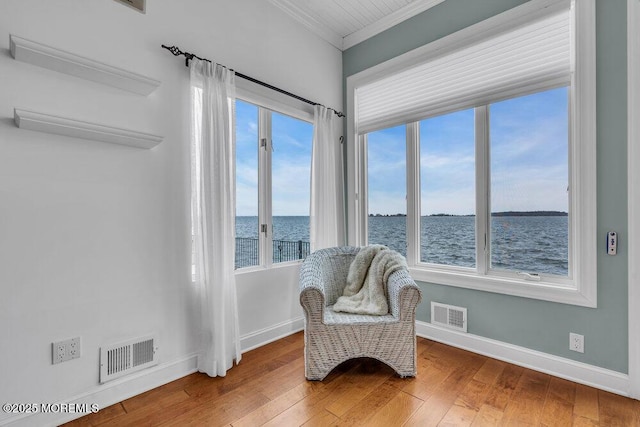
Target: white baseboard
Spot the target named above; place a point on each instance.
(110, 393)
(124, 388)
(272, 333)
(578, 372)
(139, 382)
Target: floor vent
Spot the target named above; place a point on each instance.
(127, 357)
(449, 316)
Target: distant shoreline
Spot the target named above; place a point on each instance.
(530, 213)
(498, 214)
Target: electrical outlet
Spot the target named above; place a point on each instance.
(576, 342)
(59, 352)
(62, 351)
(73, 348)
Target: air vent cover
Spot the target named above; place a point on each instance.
(449, 316)
(127, 357)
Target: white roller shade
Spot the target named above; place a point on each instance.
(532, 56)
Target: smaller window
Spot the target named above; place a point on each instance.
(273, 172)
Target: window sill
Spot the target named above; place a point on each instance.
(505, 285)
(259, 268)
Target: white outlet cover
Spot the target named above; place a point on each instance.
(73, 348)
(61, 351)
(576, 342)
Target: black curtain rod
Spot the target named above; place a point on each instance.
(189, 56)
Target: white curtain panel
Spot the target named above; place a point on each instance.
(213, 213)
(327, 222)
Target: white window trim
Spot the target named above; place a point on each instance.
(633, 156)
(265, 212)
(583, 292)
(267, 98)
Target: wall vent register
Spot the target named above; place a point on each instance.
(449, 316)
(127, 357)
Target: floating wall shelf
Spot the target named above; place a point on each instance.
(78, 129)
(69, 63)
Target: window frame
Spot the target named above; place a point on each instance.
(581, 288)
(268, 102)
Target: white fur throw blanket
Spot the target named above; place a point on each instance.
(365, 292)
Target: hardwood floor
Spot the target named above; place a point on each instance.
(453, 388)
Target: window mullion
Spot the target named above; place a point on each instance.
(362, 229)
(483, 235)
(264, 191)
(413, 193)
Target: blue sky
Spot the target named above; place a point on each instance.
(246, 159)
(528, 160)
(447, 164)
(529, 152)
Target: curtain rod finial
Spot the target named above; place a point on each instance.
(175, 50)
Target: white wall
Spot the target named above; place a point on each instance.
(94, 237)
(269, 305)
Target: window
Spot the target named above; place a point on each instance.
(273, 169)
(526, 178)
(447, 190)
(529, 176)
(386, 172)
(291, 186)
(247, 223)
(496, 124)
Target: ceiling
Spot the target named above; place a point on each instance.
(345, 23)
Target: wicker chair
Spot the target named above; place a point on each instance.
(330, 337)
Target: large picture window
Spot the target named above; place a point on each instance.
(525, 184)
(489, 135)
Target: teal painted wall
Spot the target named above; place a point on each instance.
(541, 325)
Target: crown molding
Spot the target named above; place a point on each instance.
(343, 43)
(409, 11)
(31, 120)
(309, 22)
(65, 62)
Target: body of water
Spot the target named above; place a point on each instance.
(536, 244)
(290, 239)
(292, 228)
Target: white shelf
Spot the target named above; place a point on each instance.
(31, 120)
(69, 63)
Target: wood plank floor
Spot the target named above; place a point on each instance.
(453, 388)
